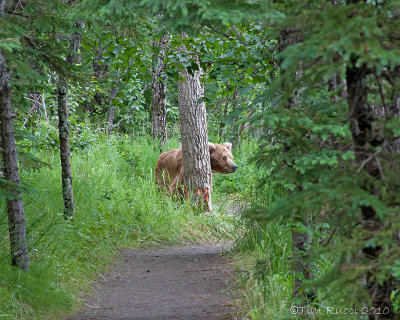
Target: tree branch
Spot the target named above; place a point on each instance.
(369, 159)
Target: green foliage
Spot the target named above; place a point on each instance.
(46, 137)
(117, 205)
(177, 15)
(32, 45)
(310, 146)
(118, 56)
(244, 187)
(280, 65)
(265, 275)
(262, 253)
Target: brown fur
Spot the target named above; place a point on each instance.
(169, 169)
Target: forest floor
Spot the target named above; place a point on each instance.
(189, 282)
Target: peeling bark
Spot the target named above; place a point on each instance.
(44, 108)
(194, 136)
(159, 96)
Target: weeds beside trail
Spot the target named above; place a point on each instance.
(261, 253)
(117, 205)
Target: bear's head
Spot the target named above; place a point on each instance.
(221, 158)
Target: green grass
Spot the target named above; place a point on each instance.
(261, 254)
(264, 276)
(116, 205)
(244, 187)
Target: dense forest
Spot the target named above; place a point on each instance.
(307, 95)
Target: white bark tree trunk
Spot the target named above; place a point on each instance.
(159, 96)
(194, 136)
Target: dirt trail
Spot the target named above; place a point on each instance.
(171, 283)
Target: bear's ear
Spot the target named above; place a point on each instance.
(212, 147)
(228, 145)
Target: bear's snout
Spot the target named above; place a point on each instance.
(233, 167)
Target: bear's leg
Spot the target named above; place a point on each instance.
(176, 187)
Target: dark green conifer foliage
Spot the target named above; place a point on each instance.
(337, 155)
(337, 149)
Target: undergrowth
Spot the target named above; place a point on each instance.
(262, 253)
(116, 205)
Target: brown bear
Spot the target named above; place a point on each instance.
(169, 167)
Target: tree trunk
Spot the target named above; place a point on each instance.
(111, 112)
(361, 124)
(15, 206)
(159, 96)
(393, 110)
(159, 112)
(243, 124)
(194, 136)
(63, 129)
(2, 6)
(65, 154)
(75, 57)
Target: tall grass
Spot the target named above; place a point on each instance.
(265, 274)
(261, 253)
(116, 205)
(245, 187)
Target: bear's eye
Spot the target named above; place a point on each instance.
(224, 158)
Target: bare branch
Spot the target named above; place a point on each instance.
(369, 159)
(378, 79)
